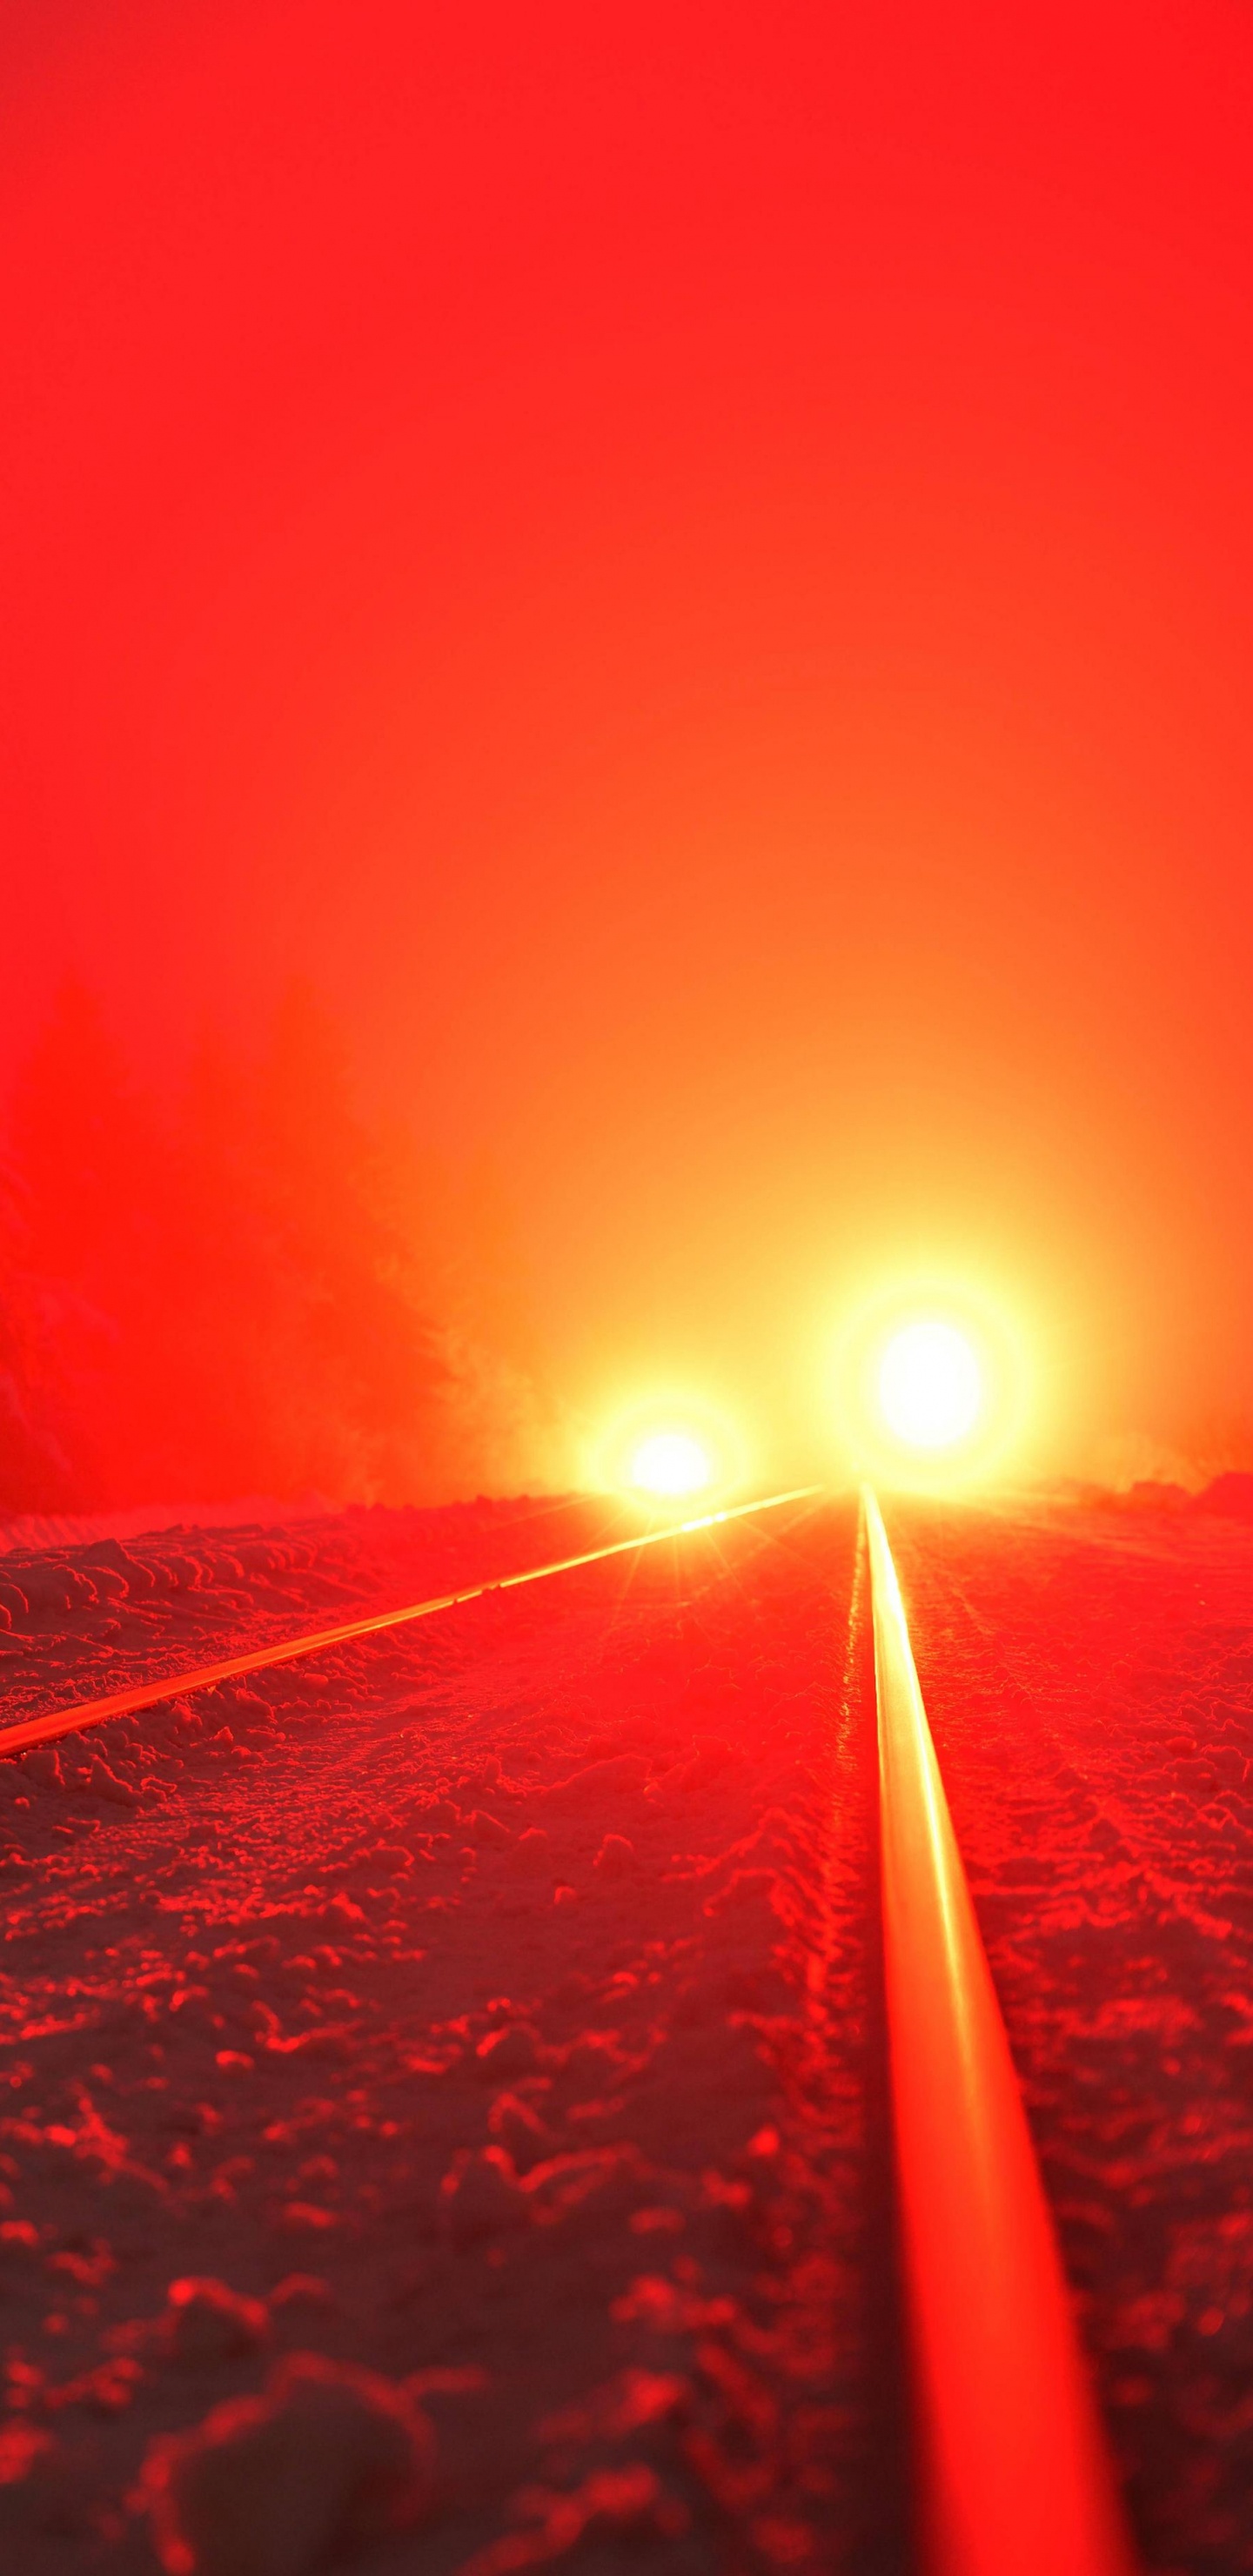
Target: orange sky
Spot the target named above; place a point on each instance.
(692, 568)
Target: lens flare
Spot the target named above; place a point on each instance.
(934, 1382)
(671, 1462)
(930, 1385)
(666, 1443)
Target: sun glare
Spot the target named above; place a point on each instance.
(671, 1462)
(930, 1386)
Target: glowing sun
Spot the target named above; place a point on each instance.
(671, 1462)
(930, 1385)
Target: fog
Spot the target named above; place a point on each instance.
(687, 580)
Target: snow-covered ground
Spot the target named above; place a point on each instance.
(1089, 1677)
(442, 2083)
(489, 2010)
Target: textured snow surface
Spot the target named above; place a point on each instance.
(440, 2095)
(441, 2084)
(1089, 1680)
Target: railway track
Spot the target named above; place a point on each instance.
(79, 1714)
(1010, 2471)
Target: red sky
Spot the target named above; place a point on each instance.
(692, 568)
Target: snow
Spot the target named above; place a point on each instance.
(488, 2009)
(1089, 1678)
(492, 2008)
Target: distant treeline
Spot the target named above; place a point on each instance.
(245, 1288)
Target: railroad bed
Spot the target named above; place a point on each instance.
(496, 2008)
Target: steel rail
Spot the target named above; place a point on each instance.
(93, 1712)
(1014, 2477)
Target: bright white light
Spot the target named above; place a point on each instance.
(930, 1386)
(671, 1462)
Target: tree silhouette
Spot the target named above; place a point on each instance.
(241, 1291)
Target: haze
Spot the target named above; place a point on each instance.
(689, 570)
